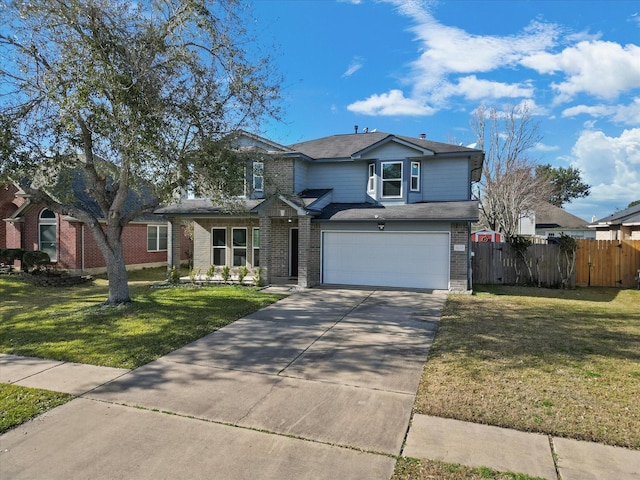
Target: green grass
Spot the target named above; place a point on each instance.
(559, 362)
(19, 404)
(413, 469)
(70, 324)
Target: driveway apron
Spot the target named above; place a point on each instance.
(318, 385)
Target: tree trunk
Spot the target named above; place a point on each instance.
(117, 273)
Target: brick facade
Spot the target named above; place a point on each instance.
(76, 248)
(459, 276)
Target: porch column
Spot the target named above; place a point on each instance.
(174, 239)
(304, 245)
(265, 249)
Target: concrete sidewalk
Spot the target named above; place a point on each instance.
(319, 385)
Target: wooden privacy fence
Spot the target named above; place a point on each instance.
(608, 263)
(599, 263)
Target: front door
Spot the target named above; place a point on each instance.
(293, 252)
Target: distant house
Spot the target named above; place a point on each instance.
(70, 245)
(622, 225)
(552, 221)
(357, 209)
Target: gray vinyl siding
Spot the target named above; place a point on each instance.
(348, 180)
(445, 179)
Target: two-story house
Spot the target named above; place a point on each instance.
(359, 209)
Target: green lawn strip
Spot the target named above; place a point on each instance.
(559, 362)
(20, 404)
(413, 469)
(69, 324)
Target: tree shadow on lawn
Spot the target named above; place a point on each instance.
(155, 324)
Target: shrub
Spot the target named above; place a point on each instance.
(210, 273)
(242, 272)
(9, 255)
(225, 273)
(257, 276)
(174, 275)
(35, 259)
(193, 274)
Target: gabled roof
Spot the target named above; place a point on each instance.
(354, 145)
(628, 216)
(550, 216)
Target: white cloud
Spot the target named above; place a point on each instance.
(392, 103)
(541, 147)
(611, 165)
(624, 114)
(602, 69)
(355, 65)
(473, 88)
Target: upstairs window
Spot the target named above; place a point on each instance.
(392, 179)
(157, 238)
(258, 176)
(48, 234)
(371, 183)
(415, 176)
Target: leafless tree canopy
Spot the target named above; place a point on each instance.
(509, 188)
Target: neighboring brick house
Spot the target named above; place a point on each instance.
(359, 209)
(69, 243)
(622, 225)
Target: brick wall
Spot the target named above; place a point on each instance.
(278, 176)
(460, 235)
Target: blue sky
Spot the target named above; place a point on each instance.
(412, 67)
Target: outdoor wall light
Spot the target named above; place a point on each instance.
(380, 226)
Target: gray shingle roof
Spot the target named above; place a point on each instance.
(550, 216)
(628, 215)
(349, 145)
(206, 207)
(432, 211)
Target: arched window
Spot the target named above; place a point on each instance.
(47, 234)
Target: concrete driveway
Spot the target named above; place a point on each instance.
(319, 385)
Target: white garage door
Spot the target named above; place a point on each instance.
(391, 259)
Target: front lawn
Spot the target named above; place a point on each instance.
(19, 404)
(69, 324)
(559, 362)
(413, 469)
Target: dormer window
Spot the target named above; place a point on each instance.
(391, 179)
(371, 182)
(258, 176)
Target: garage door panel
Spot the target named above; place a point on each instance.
(394, 259)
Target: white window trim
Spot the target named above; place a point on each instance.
(255, 176)
(253, 247)
(371, 180)
(157, 246)
(48, 222)
(416, 176)
(214, 247)
(383, 180)
(233, 247)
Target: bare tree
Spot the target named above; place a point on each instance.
(132, 99)
(509, 189)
